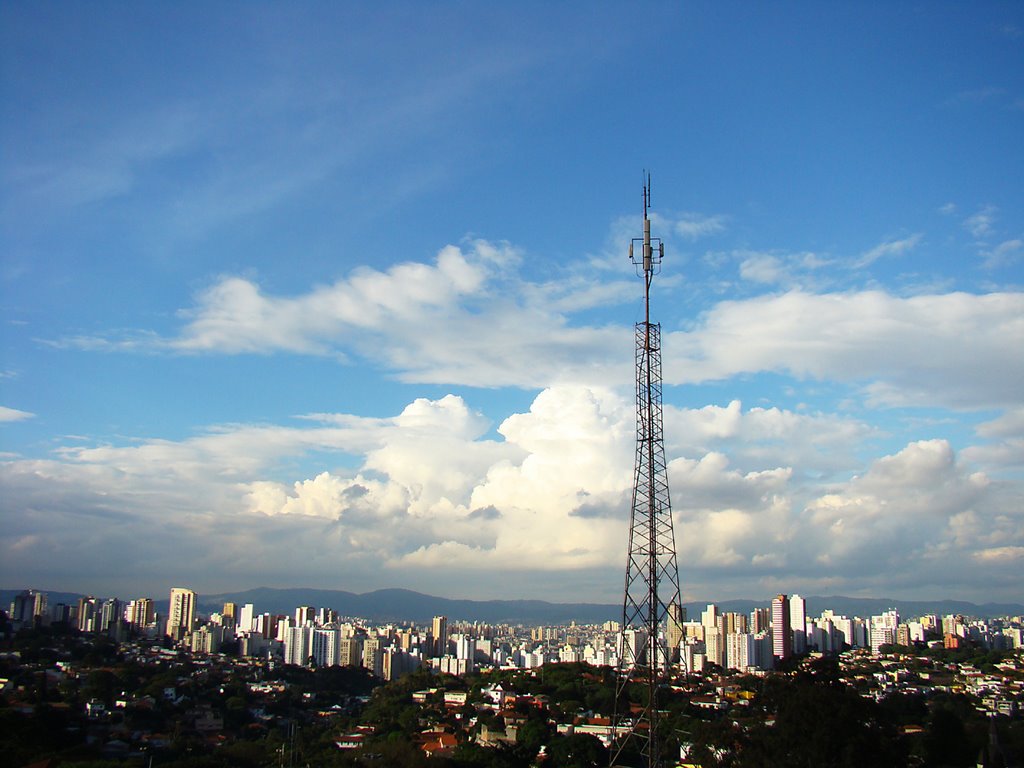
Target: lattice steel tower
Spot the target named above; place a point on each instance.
(652, 571)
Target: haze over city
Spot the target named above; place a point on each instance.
(338, 296)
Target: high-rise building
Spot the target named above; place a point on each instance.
(632, 644)
(396, 662)
(675, 630)
(782, 635)
(140, 613)
(465, 647)
(267, 624)
(245, 617)
(714, 646)
(181, 614)
(39, 604)
(62, 613)
(373, 656)
(740, 651)
(734, 623)
(207, 639)
(111, 614)
(298, 644)
(325, 646)
(28, 606)
(760, 620)
(439, 635)
(88, 614)
(763, 656)
(798, 623)
(283, 625)
(350, 651)
(883, 629)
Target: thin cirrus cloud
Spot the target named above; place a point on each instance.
(887, 248)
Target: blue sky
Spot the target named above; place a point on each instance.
(337, 296)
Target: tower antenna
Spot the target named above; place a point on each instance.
(651, 607)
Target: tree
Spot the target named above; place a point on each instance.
(946, 742)
(101, 684)
(579, 750)
(534, 733)
(821, 722)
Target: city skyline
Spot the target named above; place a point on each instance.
(340, 298)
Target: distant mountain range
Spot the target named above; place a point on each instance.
(397, 605)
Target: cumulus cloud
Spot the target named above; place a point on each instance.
(918, 502)
(900, 522)
(545, 501)
(814, 443)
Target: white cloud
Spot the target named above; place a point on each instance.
(906, 509)
(980, 223)
(1009, 424)
(947, 349)
(899, 524)
(470, 318)
(1003, 254)
(693, 225)
(467, 319)
(1000, 554)
(763, 268)
(13, 414)
(887, 248)
(1006, 447)
(234, 316)
(813, 442)
(769, 268)
(551, 497)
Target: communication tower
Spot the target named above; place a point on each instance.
(652, 571)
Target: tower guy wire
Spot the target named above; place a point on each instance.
(652, 571)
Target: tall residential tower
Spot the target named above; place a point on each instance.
(181, 614)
